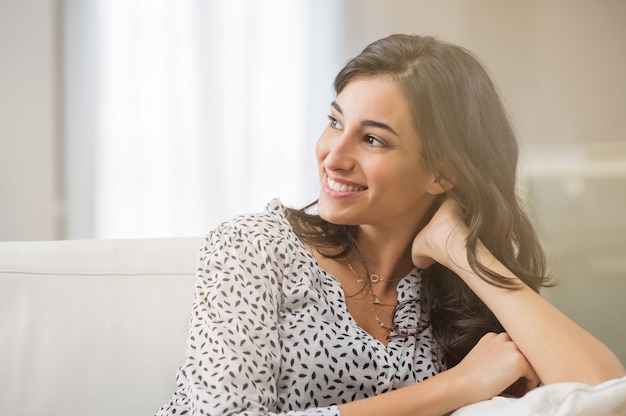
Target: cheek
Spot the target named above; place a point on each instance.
(403, 179)
(318, 150)
(383, 172)
(321, 149)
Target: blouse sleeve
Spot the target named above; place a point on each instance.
(233, 349)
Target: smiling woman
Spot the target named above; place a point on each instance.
(413, 287)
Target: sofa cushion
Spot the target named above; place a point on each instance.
(93, 327)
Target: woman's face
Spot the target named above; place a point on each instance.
(369, 158)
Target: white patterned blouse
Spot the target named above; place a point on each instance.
(270, 333)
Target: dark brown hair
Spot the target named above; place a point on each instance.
(467, 141)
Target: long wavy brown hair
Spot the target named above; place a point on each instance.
(467, 141)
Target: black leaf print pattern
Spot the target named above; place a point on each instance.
(270, 333)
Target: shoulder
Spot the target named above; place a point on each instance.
(263, 231)
(262, 245)
(266, 225)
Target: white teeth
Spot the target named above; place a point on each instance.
(338, 187)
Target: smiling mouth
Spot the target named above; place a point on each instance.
(342, 187)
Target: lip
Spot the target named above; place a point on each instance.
(340, 188)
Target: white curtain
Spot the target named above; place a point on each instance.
(181, 113)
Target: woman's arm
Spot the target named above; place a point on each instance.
(558, 349)
(494, 364)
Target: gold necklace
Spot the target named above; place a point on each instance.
(373, 299)
(374, 278)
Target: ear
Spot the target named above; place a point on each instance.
(439, 186)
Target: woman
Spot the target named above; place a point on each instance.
(412, 288)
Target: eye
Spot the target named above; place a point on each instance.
(374, 141)
(334, 123)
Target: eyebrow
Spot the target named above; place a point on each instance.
(369, 123)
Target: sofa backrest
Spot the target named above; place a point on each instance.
(93, 327)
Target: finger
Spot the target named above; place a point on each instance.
(487, 338)
(504, 336)
(517, 389)
(451, 205)
(532, 379)
(423, 262)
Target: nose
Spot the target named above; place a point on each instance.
(336, 151)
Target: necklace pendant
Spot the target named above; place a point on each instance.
(376, 301)
(374, 278)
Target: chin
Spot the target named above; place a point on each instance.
(335, 218)
(327, 213)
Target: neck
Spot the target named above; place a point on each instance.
(388, 257)
(386, 245)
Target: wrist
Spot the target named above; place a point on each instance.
(452, 247)
(457, 388)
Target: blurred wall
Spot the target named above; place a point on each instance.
(29, 127)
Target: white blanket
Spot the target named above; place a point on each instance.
(561, 399)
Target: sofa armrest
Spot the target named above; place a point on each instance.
(93, 327)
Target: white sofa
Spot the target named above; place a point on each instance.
(99, 328)
(93, 328)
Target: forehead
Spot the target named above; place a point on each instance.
(379, 99)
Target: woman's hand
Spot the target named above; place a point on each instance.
(496, 365)
(444, 232)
